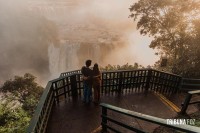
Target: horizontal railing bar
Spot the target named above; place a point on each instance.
(61, 87)
(62, 94)
(166, 73)
(194, 102)
(194, 92)
(156, 120)
(145, 69)
(187, 89)
(61, 78)
(188, 79)
(71, 71)
(110, 128)
(51, 104)
(115, 71)
(187, 100)
(191, 85)
(123, 125)
(35, 118)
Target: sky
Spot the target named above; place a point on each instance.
(27, 32)
(137, 47)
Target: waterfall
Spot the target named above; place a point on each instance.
(63, 58)
(54, 58)
(96, 53)
(68, 56)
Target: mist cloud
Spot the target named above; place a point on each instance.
(24, 40)
(44, 37)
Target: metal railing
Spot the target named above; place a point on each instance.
(70, 85)
(188, 102)
(39, 120)
(70, 72)
(192, 87)
(159, 121)
(190, 84)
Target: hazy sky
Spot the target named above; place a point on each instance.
(25, 34)
(137, 49)
(115, 14)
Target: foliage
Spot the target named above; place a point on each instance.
(26, 35)
(123, 67)
(20, 97)
(174, 25)
(12, 118)
(23, 89)
(197, 123)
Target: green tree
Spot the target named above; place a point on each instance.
(24, 90)
(123, 67)
(13, 119)
(174, 25)
(17, 105)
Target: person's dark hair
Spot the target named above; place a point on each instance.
(88, 63)
(96, 69)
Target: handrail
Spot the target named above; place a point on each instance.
(36, 117)
(148, 118)
(70, 72)
(191, 79)
(70, 85)
(79, 71)
(187, 101)
(190, 84)
(62, 77)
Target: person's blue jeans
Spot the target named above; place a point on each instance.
(87, 92)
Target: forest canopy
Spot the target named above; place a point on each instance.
(19, 99)
(174, 27)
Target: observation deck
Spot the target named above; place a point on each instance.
(131, 101)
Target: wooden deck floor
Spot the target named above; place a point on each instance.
(77, 117)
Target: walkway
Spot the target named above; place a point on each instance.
(76, 117)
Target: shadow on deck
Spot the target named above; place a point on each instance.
(76, 117)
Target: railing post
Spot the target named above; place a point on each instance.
(185, 104)
(120, 82)
(148, 80)
(104, 120)
(74, 86)
(179, 86)
(56, 92)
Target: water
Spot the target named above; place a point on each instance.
(69, 56)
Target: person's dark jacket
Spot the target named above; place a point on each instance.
(87, 72)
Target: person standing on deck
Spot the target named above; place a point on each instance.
(96, 83)
(87, 81)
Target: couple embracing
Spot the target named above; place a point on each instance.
(91, 78)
